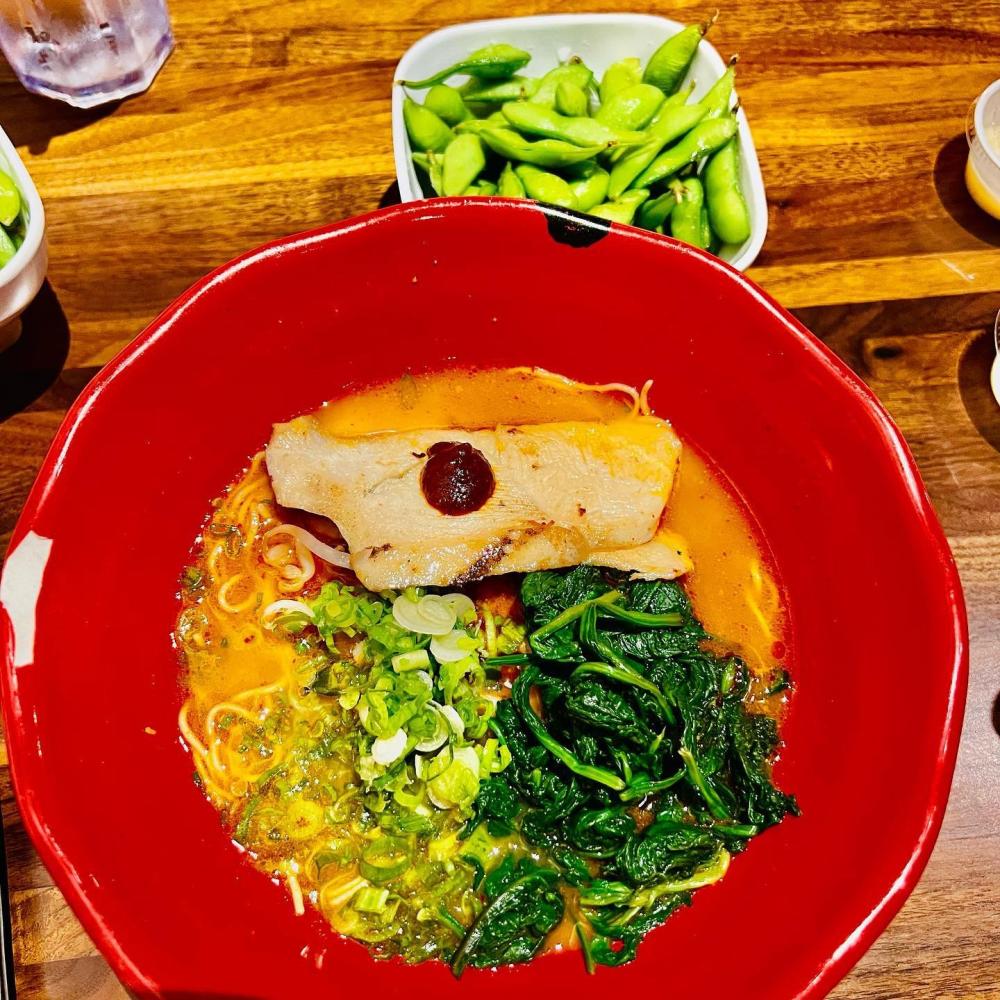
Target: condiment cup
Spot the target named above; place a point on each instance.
(982, 130)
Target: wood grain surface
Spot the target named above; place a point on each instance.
(273, 117)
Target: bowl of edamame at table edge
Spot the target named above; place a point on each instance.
(23, 253)
(587, 111)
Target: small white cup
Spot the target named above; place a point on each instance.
(982, 171)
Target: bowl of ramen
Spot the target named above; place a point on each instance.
(558, 612)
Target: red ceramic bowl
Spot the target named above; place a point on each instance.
(877, 622)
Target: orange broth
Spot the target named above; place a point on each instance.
(235, 665)
(732, 587)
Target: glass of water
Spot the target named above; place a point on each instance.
(85, 52)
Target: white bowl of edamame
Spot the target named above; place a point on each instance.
(600, 41)
(23, 252)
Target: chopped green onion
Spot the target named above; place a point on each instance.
(384, 859)
(418, 659)
(371, 900)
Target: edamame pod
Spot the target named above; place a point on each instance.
(510, 185)
(718, 101)
(623, 210)
(493, 62)
(670, 125)
(544, 153)
(674, 99)
(727, 208)
(462, 163)
(517, 88)
(618, 76)
(631, 108)
(425, 129)
(591, 188)
(430, 164)
(446, 102)
(7, 247)
(686, 218)
(670, 62)
(704, 138)
(476, 126)
(10, 199)
(544, 186)
(481, 189)
(654, 214)
(708, 236)
(574, 72)
(533, 119)
(572, 100)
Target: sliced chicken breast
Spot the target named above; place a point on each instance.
(562, 494)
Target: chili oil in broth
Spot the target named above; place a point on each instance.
(246, 709)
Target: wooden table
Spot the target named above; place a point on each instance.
(274, 117)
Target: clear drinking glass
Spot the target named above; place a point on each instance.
(85, 52)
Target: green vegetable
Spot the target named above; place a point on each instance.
(544, 186)
(631, 108)
(384, 859)
(523, 906)
(509, 185)
(718, 101)
(591, 188)
(686, 221)
(533, 119)
(574, 73)
(463, 160)
(653, 215)
(425, 129)
(370, 900)
(671, 125)
(447, 103)
(571, 100)
(624, 208)
(727, 208)
(517, 88)
(670, 62)
(430, 164)
(617, 728)
(493, 62)
(417, 659)
(704, 138)
(481, 189)
(544, 153)
(676, 99)
(519, 696)
(10, 200)
(619, 76)
(604, 159)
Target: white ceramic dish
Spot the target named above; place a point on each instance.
(23, 274)
(599, 39)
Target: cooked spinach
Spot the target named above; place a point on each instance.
(523, 905)
(637, 767)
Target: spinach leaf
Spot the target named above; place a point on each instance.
(755, 738)
(599, 833)
(547, 593)
(497, 804)
(523, 905)
(596, 705)
(620, 945)
(637, 766)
